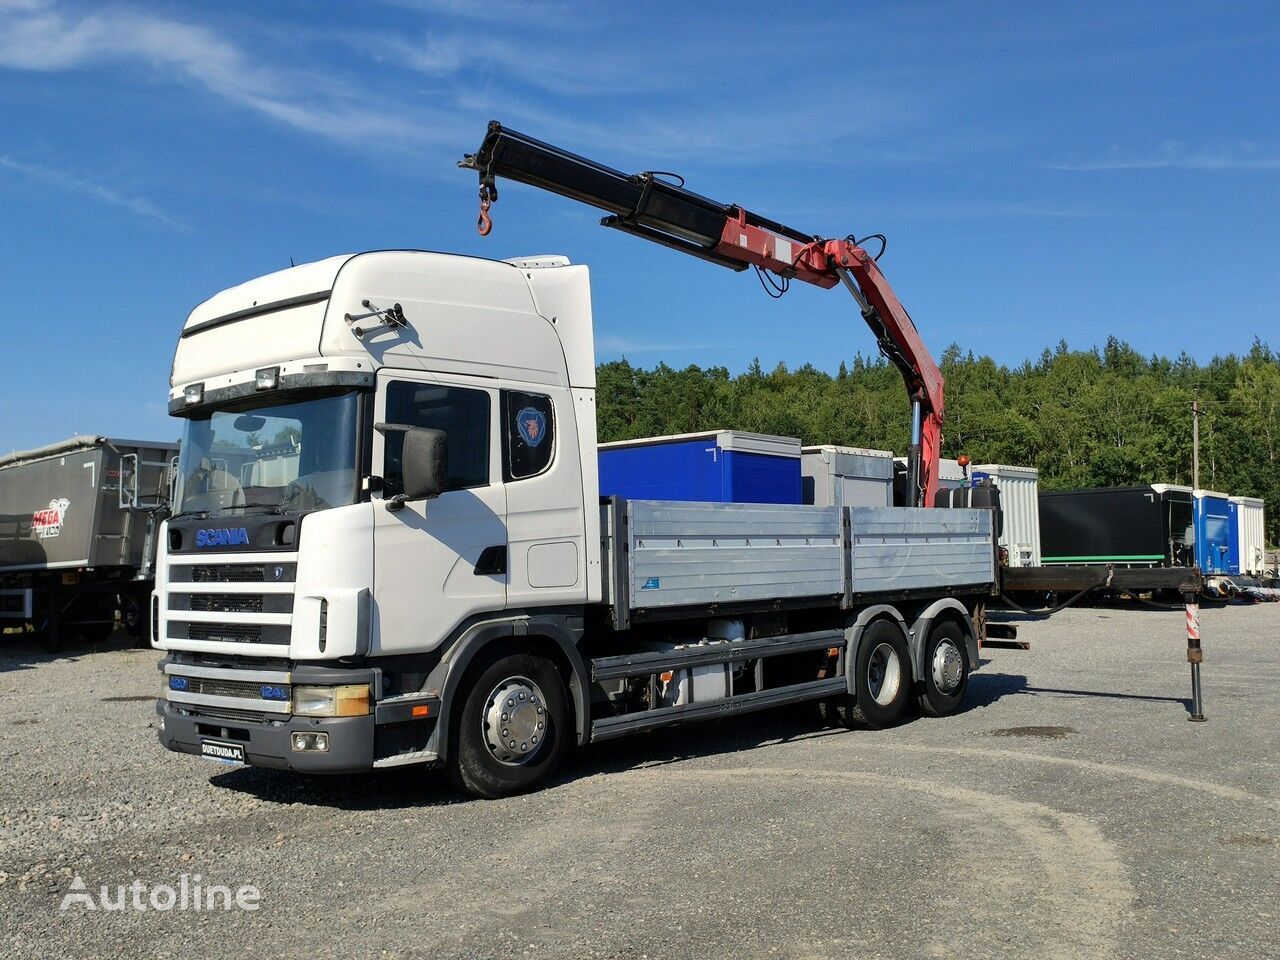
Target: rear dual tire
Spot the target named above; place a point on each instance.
(881, 681)
(945, 677)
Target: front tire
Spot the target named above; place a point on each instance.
(881, 682)
(513, 728)
(945, 676)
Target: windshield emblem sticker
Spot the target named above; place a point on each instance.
(47, 523)
(532, 426)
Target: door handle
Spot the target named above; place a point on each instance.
(492, 561)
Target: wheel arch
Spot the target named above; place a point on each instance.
(947, 608)
(854, 631)
(541, 635)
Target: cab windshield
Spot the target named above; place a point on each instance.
(284, 456)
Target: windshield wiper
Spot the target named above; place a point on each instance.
(269, 507)
(198, 514)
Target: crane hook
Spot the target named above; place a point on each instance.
(488, 194)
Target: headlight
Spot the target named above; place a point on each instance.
(348, 700)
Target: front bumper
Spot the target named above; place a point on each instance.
(267, 744)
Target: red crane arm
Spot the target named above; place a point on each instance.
(826, 263)
(651, 206)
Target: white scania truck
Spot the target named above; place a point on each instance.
(388, 545)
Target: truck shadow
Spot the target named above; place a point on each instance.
(987, 688)
(410, 789)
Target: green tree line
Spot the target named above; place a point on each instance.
(1085, 418)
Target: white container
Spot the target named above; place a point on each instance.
(847, 476)
(1251, 517)
(950, 473)
(1020, 505)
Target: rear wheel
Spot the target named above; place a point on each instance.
(945, 676)
(135, 617)
(881, 681)
(513, 727)
(97, 615)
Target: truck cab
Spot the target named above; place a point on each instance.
(292, 543)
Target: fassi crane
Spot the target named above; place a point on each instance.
(654, 208)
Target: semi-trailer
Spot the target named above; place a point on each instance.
(1140, 526)
(78, 522)
(1251, 535)
(1217, 533)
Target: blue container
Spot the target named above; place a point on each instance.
(1217, 533)
(721, 466)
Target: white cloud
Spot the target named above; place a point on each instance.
(35, 37)
(1177, 155)
(551, 66)
(500, 11)
(72, 183)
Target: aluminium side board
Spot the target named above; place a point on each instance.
(669, 558)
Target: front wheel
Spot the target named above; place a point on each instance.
(946, 670)
(513, 729)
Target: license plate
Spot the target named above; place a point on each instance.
(222, 752)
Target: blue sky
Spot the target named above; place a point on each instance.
(1043, 171)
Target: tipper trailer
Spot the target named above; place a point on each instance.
(389, 546)
(78, 521)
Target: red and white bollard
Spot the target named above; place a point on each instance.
(1195, 656)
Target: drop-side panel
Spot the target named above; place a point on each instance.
(897, 549)
(695, 554)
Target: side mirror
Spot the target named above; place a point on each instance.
(425, 464)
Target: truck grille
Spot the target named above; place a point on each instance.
(227, 632)
(226, 713)
(285, 571)
(226, 602)
(229, 688)
(229, 573)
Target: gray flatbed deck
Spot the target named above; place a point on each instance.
(667, 559)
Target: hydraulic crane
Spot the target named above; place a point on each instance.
(653, 206)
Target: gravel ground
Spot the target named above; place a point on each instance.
(1070, 811)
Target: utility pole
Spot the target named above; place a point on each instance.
(1195, 442)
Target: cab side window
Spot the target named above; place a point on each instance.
(461, 413)
(529, 434)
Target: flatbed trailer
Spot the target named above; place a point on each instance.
(1074, 578)
(1078, 580)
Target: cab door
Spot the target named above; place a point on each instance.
(437, 562)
